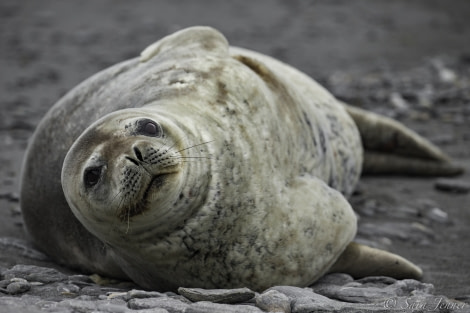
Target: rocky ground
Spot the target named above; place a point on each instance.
(410, 61)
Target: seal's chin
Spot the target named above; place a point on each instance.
(143, 204)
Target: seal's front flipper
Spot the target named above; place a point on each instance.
(392, 148)
(362, 261)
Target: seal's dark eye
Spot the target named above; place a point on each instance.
(92, 176)
(149, 128)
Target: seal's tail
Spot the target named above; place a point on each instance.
(362, 261)
(392, 148)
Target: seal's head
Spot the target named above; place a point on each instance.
(125, 170)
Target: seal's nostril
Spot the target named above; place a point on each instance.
(92, 175)
(138, 154)
(132, 160)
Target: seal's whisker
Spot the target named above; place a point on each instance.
(174, 144)
(191, 157)
(200, 144)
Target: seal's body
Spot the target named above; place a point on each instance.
(207, 166)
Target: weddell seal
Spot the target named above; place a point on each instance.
(204, 165)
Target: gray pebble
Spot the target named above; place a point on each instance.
(452, 185)
(437, 215)
(273, 301)
(210, 307)
(169, 304)
(17, 286)
(217, 295)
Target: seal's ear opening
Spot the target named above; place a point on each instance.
(188, 42)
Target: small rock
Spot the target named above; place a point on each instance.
(446, 75)
(68, 289)
(273, 301)
(398, 102)
(217, 295)
(142, 294)
(210, 307)
(17, 286)
(437, 215)
(452, 185)
(169, 304)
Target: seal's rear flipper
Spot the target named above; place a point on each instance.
(362, 261)
(392, 148)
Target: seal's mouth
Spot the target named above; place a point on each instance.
(143, 204)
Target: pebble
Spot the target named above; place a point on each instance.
(452, 185)
(217, 295)
(17, 286)
(273, 301)
(142, 294)
(437, 215)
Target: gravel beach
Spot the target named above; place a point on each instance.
(407, 60)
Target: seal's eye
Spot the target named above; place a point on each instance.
(92, 176)
(149, 128)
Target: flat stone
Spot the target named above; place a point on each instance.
(94, 306)
(142, 294)
(169, 304)
(217, 295)
(452, 185)
(210, 307)
(35, 273)
(273, 301)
